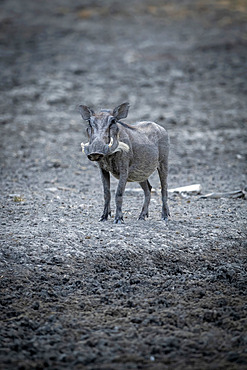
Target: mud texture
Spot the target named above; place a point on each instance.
(81, 294)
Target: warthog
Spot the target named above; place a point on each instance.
(129, 153)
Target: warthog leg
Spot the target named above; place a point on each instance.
(105, 176)
(147, 196)
(119, 197)
(163, 171)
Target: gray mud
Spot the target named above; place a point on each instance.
(80, 294)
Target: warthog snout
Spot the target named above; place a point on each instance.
(95, 156)
(97, 149)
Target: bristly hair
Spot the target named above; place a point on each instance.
(105, 111)
(126, 125)
(121, 123)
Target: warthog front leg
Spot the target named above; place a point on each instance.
(119, 198)
(163, 172)
(105, 176)
(147, 196)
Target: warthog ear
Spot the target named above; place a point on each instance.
(86, 112)
(121, 111)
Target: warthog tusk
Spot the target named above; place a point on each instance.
(111, 142)
(83, 147)
(122, 147)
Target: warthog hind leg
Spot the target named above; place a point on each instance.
(163, 171)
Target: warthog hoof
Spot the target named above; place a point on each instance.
(165, 219)
(119, 221)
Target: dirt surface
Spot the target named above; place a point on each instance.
(81, 294)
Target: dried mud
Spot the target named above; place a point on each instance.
(80, 294)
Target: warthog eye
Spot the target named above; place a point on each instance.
(112, 122)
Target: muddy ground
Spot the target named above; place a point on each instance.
(80, 294)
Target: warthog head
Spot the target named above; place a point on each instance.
(103, 132)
